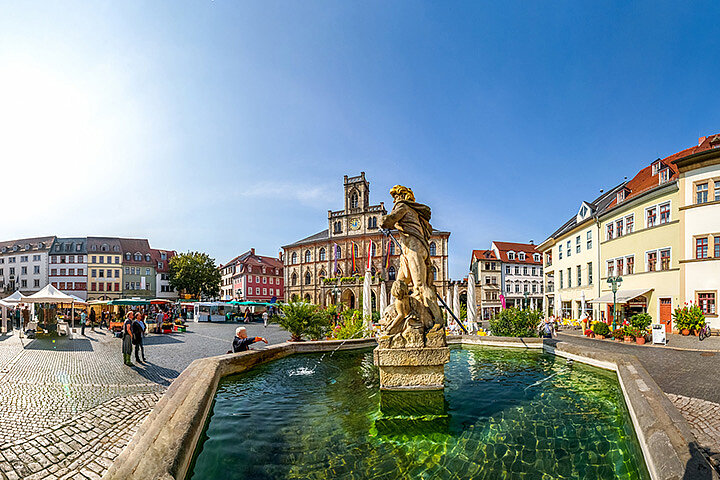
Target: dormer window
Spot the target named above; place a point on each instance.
(511, 255)
(664, 176)
(521, 256)
(715, 142)
(656, 166)
(620, 196)
(536, 257)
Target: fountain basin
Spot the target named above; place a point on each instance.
(164, 444)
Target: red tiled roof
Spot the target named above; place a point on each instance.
(528, 248)
(484, 255)
(157, 259)
(259, 260)
(645, 180)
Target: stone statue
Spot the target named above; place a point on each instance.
(414, 320)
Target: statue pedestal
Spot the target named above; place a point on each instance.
(412, 368)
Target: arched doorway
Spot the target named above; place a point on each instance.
(307, 298)
(348, 298)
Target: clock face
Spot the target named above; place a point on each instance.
(355, 224)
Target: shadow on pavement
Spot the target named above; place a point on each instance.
(61, 345)
(160, 340)
(155, 373)
(697, 468)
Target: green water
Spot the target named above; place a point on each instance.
(505, 414)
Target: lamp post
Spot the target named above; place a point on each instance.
(336, 292)
(615, 283)
(525, 295)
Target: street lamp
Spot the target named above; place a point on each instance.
(336, 292)
(615, 283)
(525, 294)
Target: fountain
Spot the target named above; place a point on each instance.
(412, 350)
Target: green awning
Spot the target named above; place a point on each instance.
(129, 301)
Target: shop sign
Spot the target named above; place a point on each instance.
(658, 334)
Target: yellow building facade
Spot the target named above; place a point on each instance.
(641, 243)
(104, 257)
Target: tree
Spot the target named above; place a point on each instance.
(195, 273)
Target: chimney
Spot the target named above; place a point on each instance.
(252, 251)
(700, 140)
(532, 242)
(280, 255)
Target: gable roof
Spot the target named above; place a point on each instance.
(484, 255)
(32, 241)
(599, 205)
(529, 249)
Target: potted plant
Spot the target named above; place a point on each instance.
(167, 327)
(601, 329)
(589, 333)
(180, 325)
(687, 318)
(639, 335)
(618, 334)
(628, 334)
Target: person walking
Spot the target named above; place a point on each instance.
(127, 339)
(241, 342)
(265, 319)
(103, 319)
(83, 318)
(246, 318)
(92, 319)
(159, 318)
(138, 329)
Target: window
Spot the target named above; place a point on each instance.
(651, 217)
(664, 213)
(717, 191)
(308, 279)
(80, 271)
(664, 175)
(293, 279)
(62, 271)
(264, 291)
(147, 272)
(619, 228)
(589, 239)
(391, 273)
(590, 277)
(717, 247)
(507, 270)
(322, 254)
(536, 257)
(81, 258)
(257, 278)
(391, 248)
(517, 270)
(651, 261)
(701, 193)
(36, 269)
(577, 244)
(127, 285)
(94, 259)
(24, 259)
(71, 271)
(611, 268)
(521, 256)
(101, 287)
(579, 275)
(53, 271)
(265, 280)
(629, 223)
(609, 233)
(147, 257)
(127, 256)
(511, 255)
(137, 256)
(630, 264)
(569, 279)
(354, 200)
(561, 278)
(517, 288)
(373, 249)
(568, 248)
(36, 258)
(307, 256)
(94, 272)
(434, 272)
(701, 247)
(433, 249)
(534, 271)
(117, 260)
(620, 265)
(706, 302)
(293, 258)
(560, 252)
(665, 259)
(92, 286)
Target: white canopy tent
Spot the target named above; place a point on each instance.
(15, 298)
(3, 311)
(50, 294)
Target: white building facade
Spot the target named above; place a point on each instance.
(67, 267)
(24, 265)
(521, 274)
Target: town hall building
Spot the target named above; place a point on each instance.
(330, 266)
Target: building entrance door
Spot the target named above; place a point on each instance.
(666, 313)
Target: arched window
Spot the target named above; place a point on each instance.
(322, 273)
(147, 257)
(373, 249)
(338, 252)
(508, 289)
(433, 249)
(339, 272)
(391, 273)
(307, 256)
(322, 254)
(308, 278)
(138, 257)
(307, 298)
(434, 272)
(391, 248)
(293, 258)
(354, 200)
(372, 270)
(127, 256)
(293, 279)
(294, 298)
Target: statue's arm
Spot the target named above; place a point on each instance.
(389, 220)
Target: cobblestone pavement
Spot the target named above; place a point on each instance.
(78, 393)
(704, 420)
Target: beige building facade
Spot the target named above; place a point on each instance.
(320, 269)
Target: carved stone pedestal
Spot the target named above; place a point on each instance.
(412, 368)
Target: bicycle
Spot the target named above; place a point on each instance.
(704, 332)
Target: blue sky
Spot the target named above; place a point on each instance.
(220, 126)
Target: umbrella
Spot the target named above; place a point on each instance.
(456, 301)
(471, 305)
(367, 306)
(383, 297)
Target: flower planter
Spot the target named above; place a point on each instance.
(628, 339)
(685, 332)
(640, 340)
(167, 330)
(180, 328)
(695, 332)
(601, 337)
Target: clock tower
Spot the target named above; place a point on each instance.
(358, 217)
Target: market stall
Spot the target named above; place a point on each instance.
(51, 296)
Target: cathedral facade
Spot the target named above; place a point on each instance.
(329, 266)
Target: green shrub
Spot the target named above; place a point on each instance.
(641, 321)
(618, 333)
(513, 322)
(302, 319)
(350, 325)
(689, 317)
(600, 328)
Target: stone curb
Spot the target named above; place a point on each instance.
(648, 344)
(163, 447)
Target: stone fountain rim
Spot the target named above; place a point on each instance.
(163, 446)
